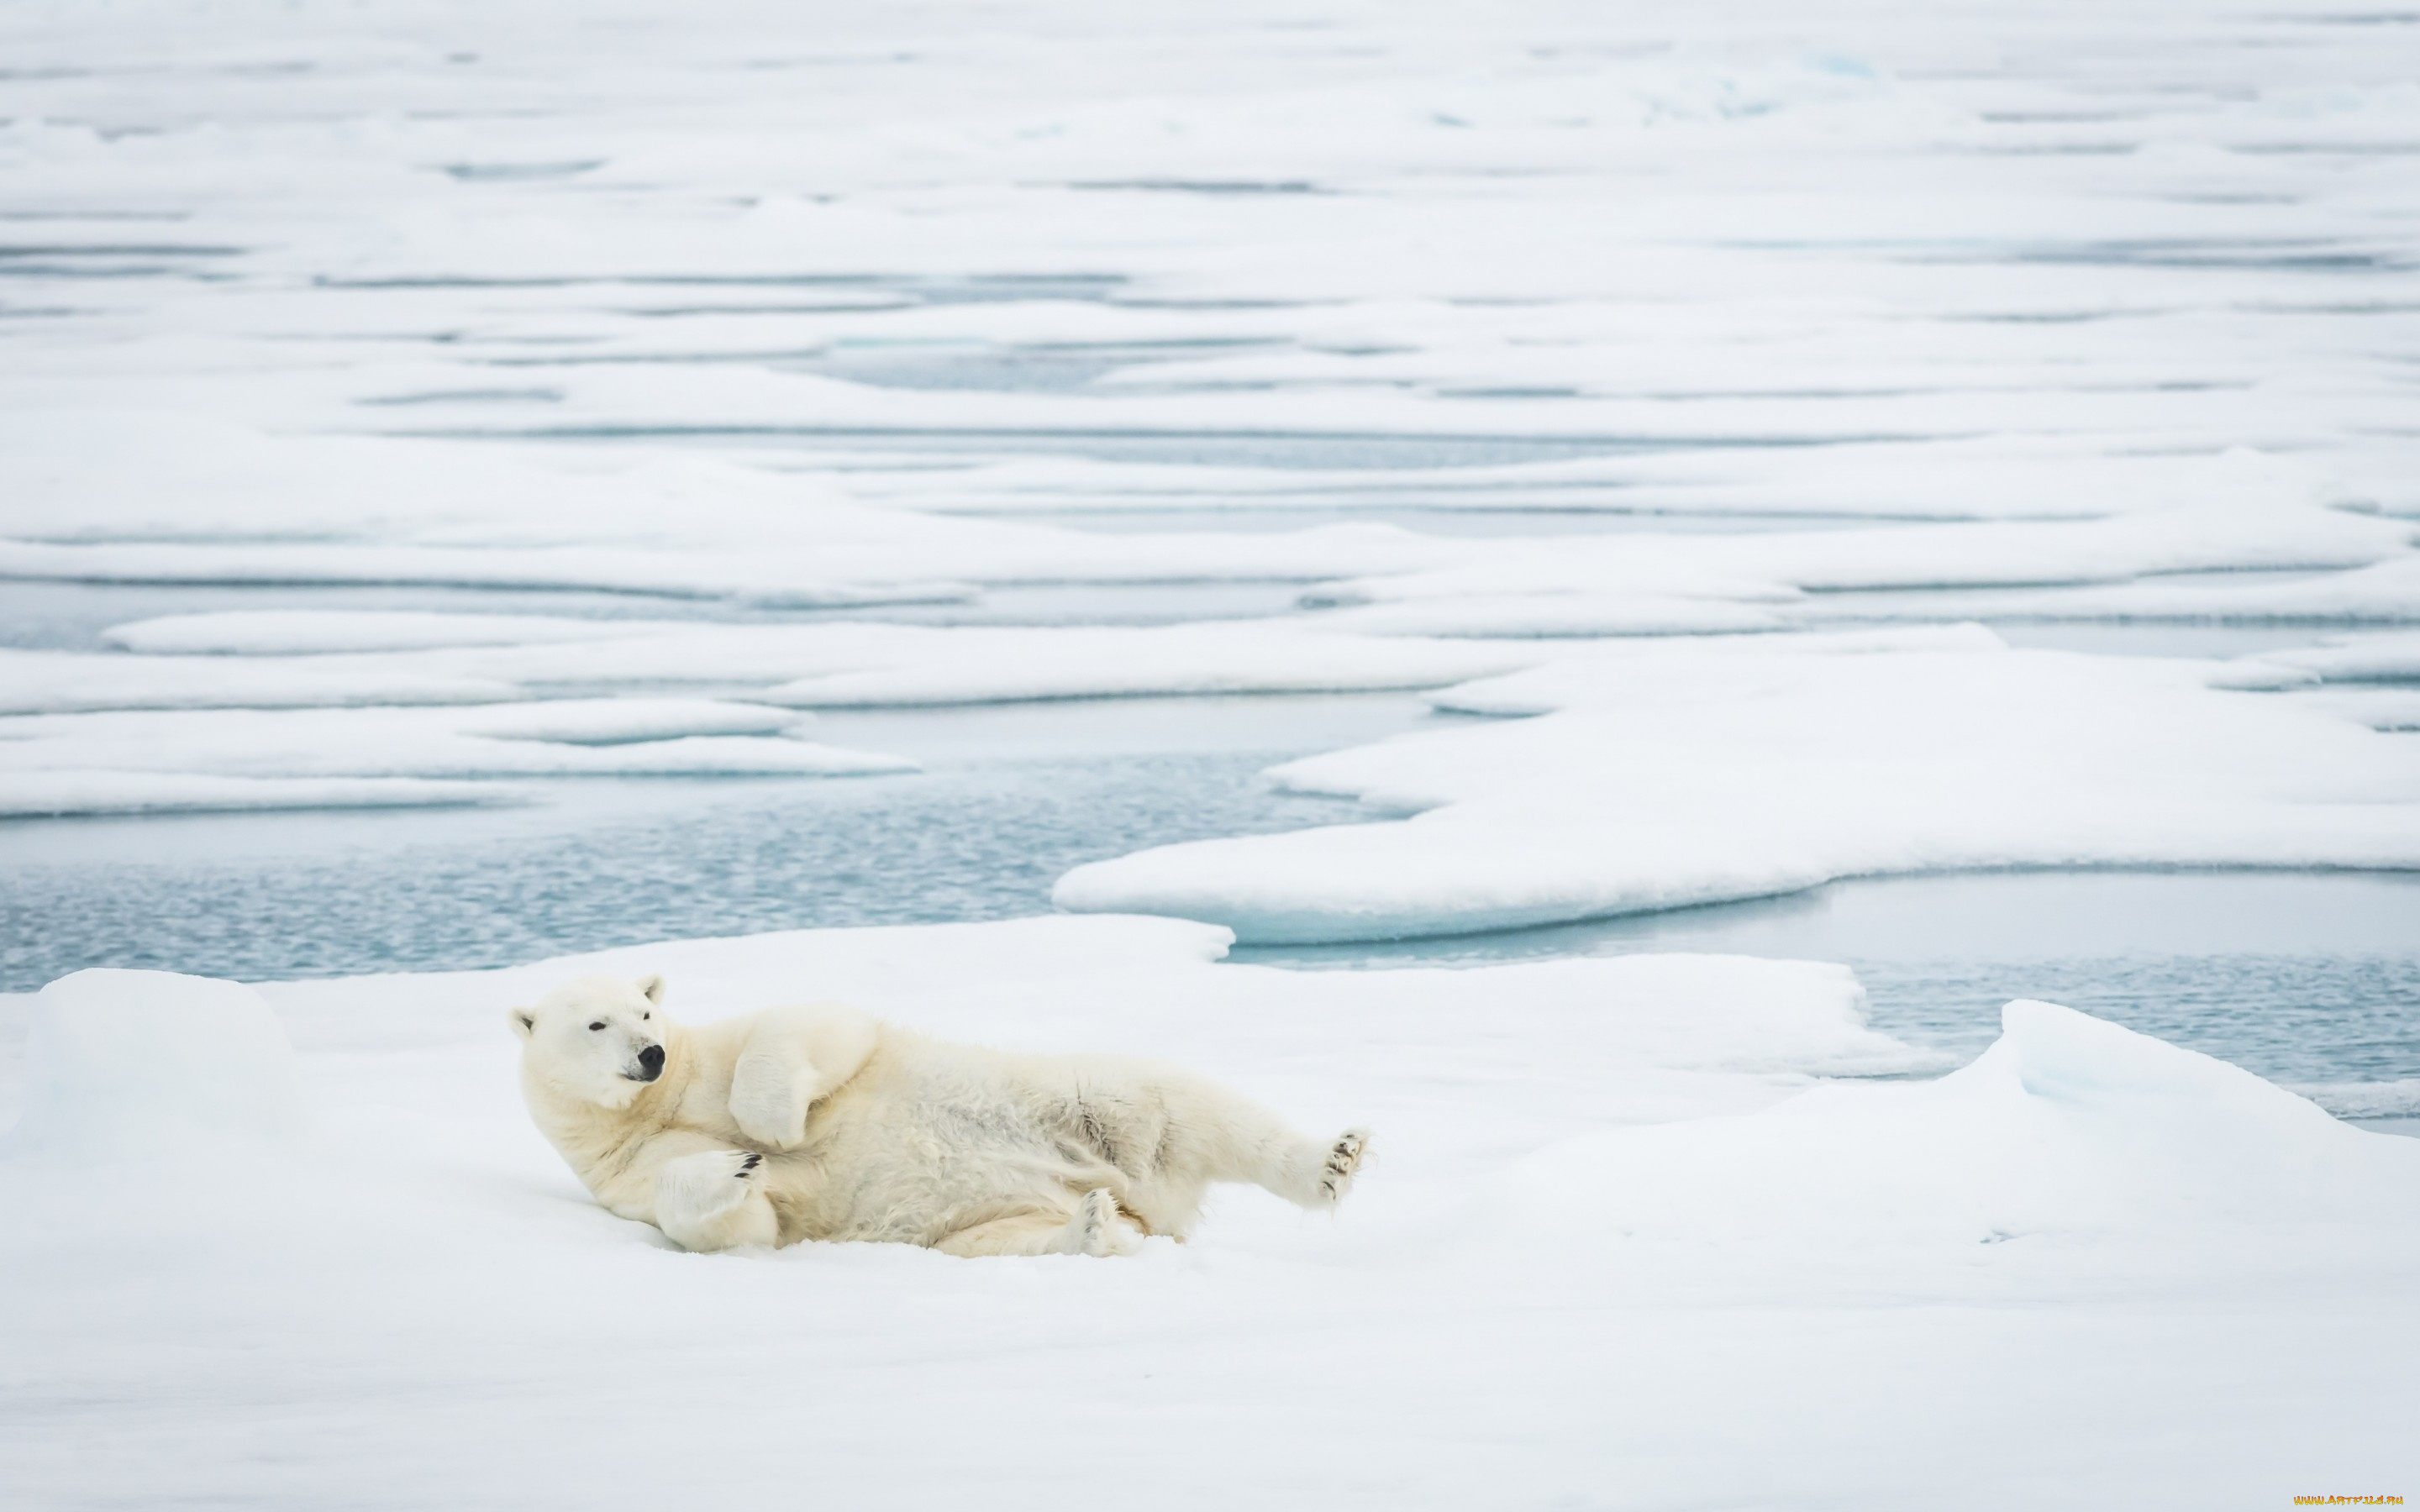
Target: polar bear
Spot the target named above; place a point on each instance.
(822, 1123)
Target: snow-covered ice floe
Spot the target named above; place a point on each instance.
(1623, 1209)
(2364, 659)
(149, 760)
(799, 665)
(61, 682)
(26, 795)
(1657, 775)
(319, 694)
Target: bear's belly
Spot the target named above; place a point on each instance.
(909, 1161)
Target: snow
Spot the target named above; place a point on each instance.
(2067, 1127)
(1618, 1219)
(2396, 709)
(1656, 775)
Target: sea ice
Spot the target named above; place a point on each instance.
(2383, 592)
(1653, 774)
(146, 760)
(842, 662)
(35, 682)
(31, 794)
(326, 632)
(2365, 658)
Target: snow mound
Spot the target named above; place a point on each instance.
(122, 1064)
(2067, 1126)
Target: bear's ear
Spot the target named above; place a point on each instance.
(523, 1020)
(653, 985)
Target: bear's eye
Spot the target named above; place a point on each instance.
(598, 1025)
(646, 1016)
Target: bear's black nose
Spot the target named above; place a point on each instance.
(651, 1060)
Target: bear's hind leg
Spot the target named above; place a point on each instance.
(1217, 1135)
(1096, 1228)
(1099, 1229)
(1307, 1172)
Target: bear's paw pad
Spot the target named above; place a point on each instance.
(1344, 1160)
(1098, 1227)
(696, 1188)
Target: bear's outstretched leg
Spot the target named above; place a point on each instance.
(715, 1200)
(1172, 1134)
(1307, 1172)
(1215, 1134)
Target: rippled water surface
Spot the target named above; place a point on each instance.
(1010, 797)
(309, 895)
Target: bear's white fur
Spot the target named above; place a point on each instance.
(824, 1123)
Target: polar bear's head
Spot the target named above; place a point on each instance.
(599, 1039)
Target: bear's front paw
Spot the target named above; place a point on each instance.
(697, 1189)
(1344, 1160)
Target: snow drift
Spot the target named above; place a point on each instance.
(2067, 1129)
